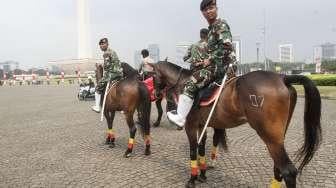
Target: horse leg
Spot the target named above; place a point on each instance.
(160, 112)
(171, 105)
(132, 131)
(192, 137)
(201, 158)
(218, 137)
(283, 166)
(110, 134)
(274, 136)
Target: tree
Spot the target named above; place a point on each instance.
(329, 65)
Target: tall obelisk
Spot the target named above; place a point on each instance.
(84, 50)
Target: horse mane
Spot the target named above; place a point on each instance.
(169, 64)
(173, 67)
(128, 70)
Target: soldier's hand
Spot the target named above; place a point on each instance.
(198, 64)
(105, 55)
(206, 62)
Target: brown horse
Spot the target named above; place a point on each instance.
(127, 95)
(266, 101)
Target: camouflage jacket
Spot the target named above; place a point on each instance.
(220, 48)
(196, 53)
(112, 65)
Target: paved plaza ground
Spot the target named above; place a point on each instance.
(50, 139)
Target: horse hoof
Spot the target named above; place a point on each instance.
(202, 178)
(179, 128)
(190, 184)
(210, 167)
(148, 152)
(107, 142)
(112, 145)
(127, 155)
(156, 124)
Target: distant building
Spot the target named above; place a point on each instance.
(8, 66)
(322, 52)
(181, 50)
(71, 66)
(137, 59)
(286, 53)
(154, 52)
(328, 51)
(318, 58)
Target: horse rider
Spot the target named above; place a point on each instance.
(112, 71)
(91, 83)
(145, 70)
(220, 54)
(197, 52)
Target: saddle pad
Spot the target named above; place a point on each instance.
(209, 96)
(149, 82)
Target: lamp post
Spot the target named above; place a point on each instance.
(258, 48)
(263, 30)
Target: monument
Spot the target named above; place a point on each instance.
(84, 61)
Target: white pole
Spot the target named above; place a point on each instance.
(83, 26)
(103, 107)
(214, 105)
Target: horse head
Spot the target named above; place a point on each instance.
(169, 75)
(99, 72)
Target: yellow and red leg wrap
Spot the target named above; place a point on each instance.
(202, 162)
(110, 134)
(214, 151)
(130, 143)
(147, 140)
(194, 167)
(275, 183)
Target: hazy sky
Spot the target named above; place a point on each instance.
(33, 32)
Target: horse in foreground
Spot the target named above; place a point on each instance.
(264, 100)
(127, 95)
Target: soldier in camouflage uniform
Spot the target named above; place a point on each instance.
(220, 54)
(198, 52)
(112, 71)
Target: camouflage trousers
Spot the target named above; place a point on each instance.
(199, 80)
(108, 77)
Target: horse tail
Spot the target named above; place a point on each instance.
(219, 137)
(312, 118)
(144, 109)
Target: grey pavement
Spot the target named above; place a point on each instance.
(50, 139)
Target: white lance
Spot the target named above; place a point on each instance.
(103, 107)
(214, 105)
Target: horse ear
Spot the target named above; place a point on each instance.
(151, 64)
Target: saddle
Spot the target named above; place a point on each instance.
(207, 95)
